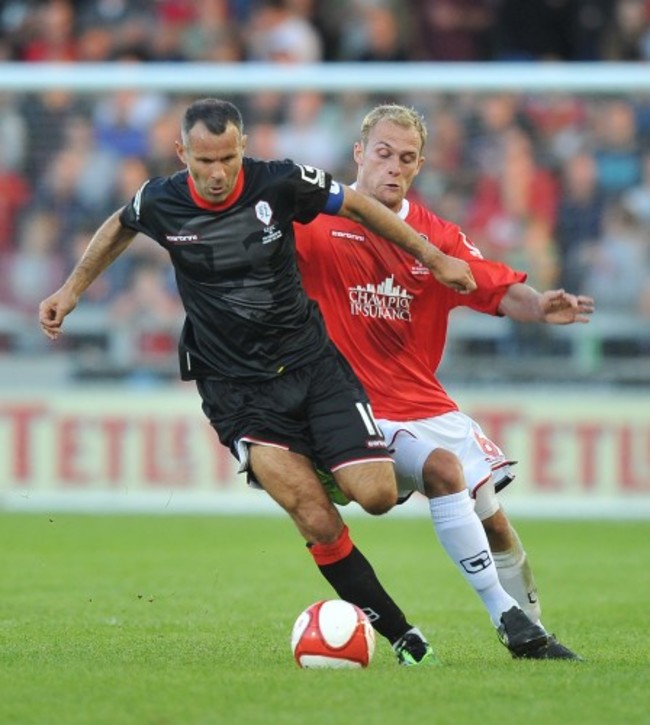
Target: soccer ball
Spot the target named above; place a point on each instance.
(333, 633)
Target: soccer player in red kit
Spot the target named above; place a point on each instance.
(389, 318)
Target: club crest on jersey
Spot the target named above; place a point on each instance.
(263, 212)
(419, 270)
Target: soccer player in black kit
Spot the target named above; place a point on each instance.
(273, 386)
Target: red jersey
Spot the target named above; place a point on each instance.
(386, 312)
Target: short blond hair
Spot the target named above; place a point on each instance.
(400, 115)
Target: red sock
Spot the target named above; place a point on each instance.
(325, 554)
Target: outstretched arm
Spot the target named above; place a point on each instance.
(523, 303)
(108, 242)
(450, 271)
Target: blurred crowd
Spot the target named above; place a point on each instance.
(329, 30)
(555, 184)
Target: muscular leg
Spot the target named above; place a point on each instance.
(460, 532)
(513, 567)
(290, 480)
(372, 485)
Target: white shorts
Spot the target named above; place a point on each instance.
(485, 467)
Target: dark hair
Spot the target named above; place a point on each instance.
(214, 113)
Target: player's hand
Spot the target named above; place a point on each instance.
(53, 310)
(562, 308)
(454, 273)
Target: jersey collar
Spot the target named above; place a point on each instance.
(234, 195)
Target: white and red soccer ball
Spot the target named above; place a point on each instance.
(333, 633)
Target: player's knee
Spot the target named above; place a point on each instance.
(317, 523)
(442, 474)
(378, 494)
(379, 500)
(371, 485)
(498, 531)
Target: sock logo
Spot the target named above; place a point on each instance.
(532, 596)
(370, 613)
(476, 563)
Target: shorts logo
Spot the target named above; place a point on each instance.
(263, 212)
(476, 563)
(181, 238)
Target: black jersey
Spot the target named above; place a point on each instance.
(247, 315)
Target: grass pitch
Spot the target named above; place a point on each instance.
(184, 620)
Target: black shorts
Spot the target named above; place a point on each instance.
(319, 410)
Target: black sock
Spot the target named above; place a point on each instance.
(354, 580)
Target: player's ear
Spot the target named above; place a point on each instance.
(244, 141)
(180, 152)
(420, 164)
(357, 152)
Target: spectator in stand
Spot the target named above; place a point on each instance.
(627, 35)
(95, 167)
(489, 120)
(214, 35)
(277, 33)
(637, 199)
(591, 20)
(15, 194)
(380, 37)
(532, 31)
(616, 146)
(123, 118)
(96, 44)
(37, 259)
(130, 174)
(310, 131)
(53, 36)
(451, 30)
(46, 116)
(160, 139)
(443, 178)
(559, 121)
(512, 214)
(58, 194)
(618, 269)
(548, 30)
(263, 140)
(579, 218)
(13, 132)
(149, 313)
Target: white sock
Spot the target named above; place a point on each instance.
(517, 578)
(462, 536)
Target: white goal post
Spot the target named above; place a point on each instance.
(334, 77)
